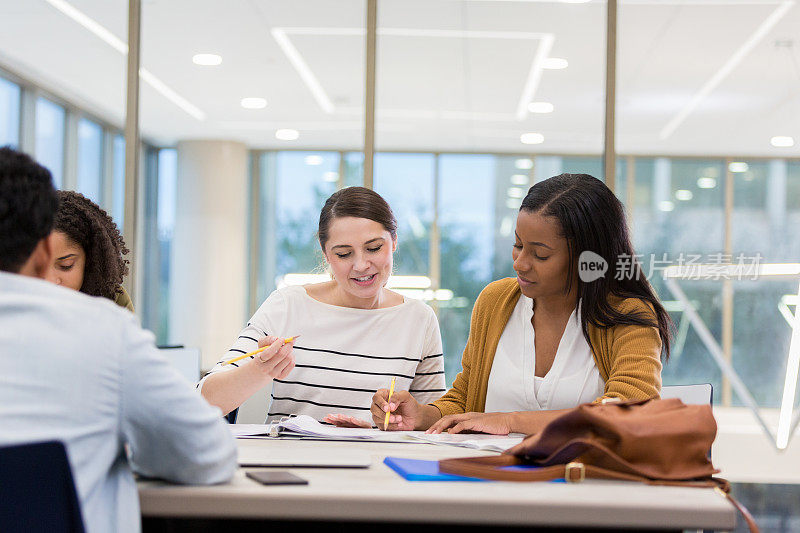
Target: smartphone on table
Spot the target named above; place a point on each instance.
(272, 477)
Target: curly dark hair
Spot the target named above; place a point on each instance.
(27, 204)
(87, 224)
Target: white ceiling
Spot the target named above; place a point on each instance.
(694, 76)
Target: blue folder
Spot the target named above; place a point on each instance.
(420, 470)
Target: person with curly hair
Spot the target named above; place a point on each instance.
(88, 250)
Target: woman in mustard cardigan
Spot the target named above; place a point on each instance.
(567, 330)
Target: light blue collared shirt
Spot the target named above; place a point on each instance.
(80, 370)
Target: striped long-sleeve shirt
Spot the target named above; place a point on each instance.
(344, 354)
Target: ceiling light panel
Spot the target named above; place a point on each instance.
(287, 135)
(207, 60)
(254, 102)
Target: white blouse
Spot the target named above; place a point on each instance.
(573, 379)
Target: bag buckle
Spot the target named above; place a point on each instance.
(568, 472)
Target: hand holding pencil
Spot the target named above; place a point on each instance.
(273, 357)
(398, 413)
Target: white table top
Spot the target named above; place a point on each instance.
(378, 493)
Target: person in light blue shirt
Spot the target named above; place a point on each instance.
(80, 370)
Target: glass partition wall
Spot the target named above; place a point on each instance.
(474, 104)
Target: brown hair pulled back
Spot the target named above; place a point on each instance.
(357, 202)
(88, 225)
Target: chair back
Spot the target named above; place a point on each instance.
(701, 394)
(37, 492)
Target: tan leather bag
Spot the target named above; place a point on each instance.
(653, 441)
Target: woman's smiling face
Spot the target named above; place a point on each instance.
(359, 252)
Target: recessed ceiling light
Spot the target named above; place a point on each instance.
(782, 141)
(330, 177)
(207, 60)
(707, 182)
(666, 205)
(287, 135)
(738, 166)
(531, 138)
(540, 107)
(684, 195)
(513, 203)
(519, 179)
(523, 164)
(555, 63)
(313, 160)
(254, 103)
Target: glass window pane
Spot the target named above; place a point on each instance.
(674, 197)
(354, 169)
(584, 165)
(90, 160)
(118, 182)
(761, 230)
(50, 119)
(9, 113)
(303, 181)
(468, 243)
(406, 182)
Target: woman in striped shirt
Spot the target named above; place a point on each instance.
(354, 334)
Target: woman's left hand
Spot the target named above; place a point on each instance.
(344, 421)
(494, 423)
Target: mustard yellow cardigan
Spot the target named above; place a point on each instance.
(628, 357)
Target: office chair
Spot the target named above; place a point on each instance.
(37, 492)
(700, 394)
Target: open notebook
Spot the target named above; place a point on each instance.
(303, 426)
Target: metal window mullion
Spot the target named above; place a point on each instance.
(727, 287)
(132, 153)
(107, 166)
(27, 121)
(609, 147)
(70, 182)
(369, 104)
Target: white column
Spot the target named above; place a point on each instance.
(208, 277)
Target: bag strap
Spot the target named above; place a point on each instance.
(492, 467)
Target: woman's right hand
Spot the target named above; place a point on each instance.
(404, 408)
(277, 360)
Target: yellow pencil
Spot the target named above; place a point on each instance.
(388, 413)
(255, 352)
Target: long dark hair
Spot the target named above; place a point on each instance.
(593, 219)
(87, 224)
